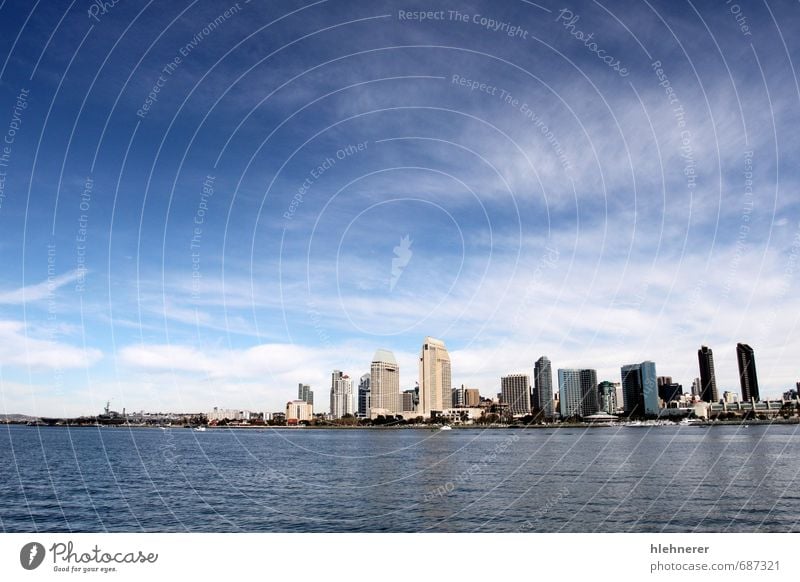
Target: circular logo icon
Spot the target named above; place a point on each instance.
(31, 555)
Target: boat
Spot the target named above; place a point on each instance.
(200, 429)
(445, 427)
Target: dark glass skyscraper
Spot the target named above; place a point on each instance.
(639, 389)
(543, 386)
(708, 379)
(747, 372)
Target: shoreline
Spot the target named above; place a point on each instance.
(434, 427)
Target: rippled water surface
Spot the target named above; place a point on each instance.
(626, 479)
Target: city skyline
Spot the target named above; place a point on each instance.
(176, 230)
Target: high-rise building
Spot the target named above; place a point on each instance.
(363, 396)
(669, 391)
(620, 395)
(459, 397)
(341, 394)
(384, 386)
(434, 377)
(409, 400)
(516, 393)
(305, 393)
(747, 372)
(639, 389)
(607, 396)
(708, 379)
(472, 397)
(696, 388)
(577, 388)
(543, 387)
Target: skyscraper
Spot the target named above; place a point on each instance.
(363, 396)
(668, 391)
(434, 377)
(747, 372)
(516, 393)
(639, 389)
(459, 397)
(341, 394)
(472, 397)
(708, 379)
(384, 387)
(305, 393)
(577, 389)
(607, 396)
(543, 387)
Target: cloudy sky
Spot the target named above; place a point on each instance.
(204, 203)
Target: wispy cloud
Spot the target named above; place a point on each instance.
(39, 291)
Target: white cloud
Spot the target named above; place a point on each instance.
(39, 291)
(18, 347)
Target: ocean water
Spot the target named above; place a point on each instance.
(671, 479)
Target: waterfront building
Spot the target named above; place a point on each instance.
(435, 384)
(620, 396)
(696, 387)
(748, 378)
(708, 378)
(458, 396)
(234, 414)
(341, 395)
(542, 398)
(730, 397)
(577, 388)
(669, 391)
(472, 397)
(515, 392)
(363, 396)
(607, 397)
(297, 410)
(305, 393)
(384, 384)
(410, 400)
(639, 389)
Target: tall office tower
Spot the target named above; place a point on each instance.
(671, 392)
(747, 372)
(384, 386)
(543, 387)
(696, 389)
(516, 393)
(410, 401)
(620, 395)
(341, 394)
(363, 396)
(607, 395)
(577, 388)
(639, 389)
(305, 393)
(472, 397)
(459, 397)
(708, 380)
(668, 391)
(589, 391)
(434, 377)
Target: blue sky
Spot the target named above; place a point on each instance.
(603, 184)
